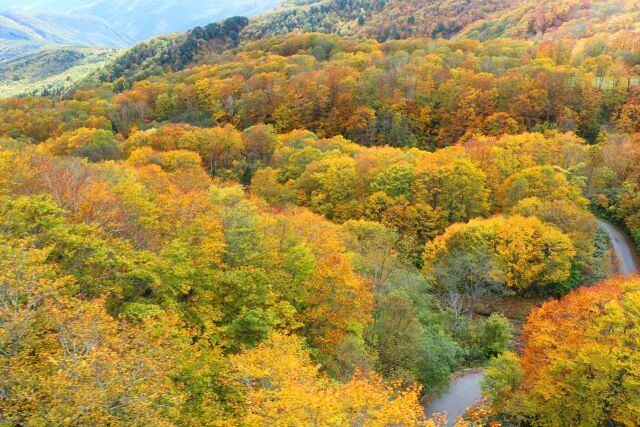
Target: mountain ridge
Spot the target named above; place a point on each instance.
(58, 28)
(31, 36)
(143, 19)
(385, 20)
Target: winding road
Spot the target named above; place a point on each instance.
(465, 391)
(623, 248)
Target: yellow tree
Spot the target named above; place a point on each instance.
(281, 387)
(65, 360)
(544, 182)
(336, 301)
(526, 252)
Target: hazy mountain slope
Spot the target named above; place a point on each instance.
(142, 19)
(31, 38)
(60, 29)
(22, 34)
(15, 48)
(44, 53)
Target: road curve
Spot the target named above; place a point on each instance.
(622, 247)
(465, 391)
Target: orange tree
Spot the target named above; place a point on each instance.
(580, 363)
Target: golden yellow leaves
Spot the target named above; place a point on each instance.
(526, 251)
(284, 388)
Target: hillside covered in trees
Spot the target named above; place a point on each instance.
(37, 36)
(237, 227)
(595, 26)
(481, 19)
(51, 71)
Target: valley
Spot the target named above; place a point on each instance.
(58, 44)
(332, 213)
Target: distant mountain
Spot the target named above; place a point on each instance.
(40, 40)
(379, 19)
(45, 53)
(142, 19)
(22, 34)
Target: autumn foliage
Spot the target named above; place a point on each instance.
(579, 363)
(284, 387)
(525, 251)
(312, 229)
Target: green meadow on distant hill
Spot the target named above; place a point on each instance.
(50, 71)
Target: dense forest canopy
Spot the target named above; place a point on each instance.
(239, 227)
(479, 19)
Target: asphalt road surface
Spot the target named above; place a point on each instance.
(464, 393)
(623, 248)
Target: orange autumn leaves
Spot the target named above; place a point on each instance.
(580, 362)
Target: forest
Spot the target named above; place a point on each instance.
(311, 229)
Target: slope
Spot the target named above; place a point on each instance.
(379, 19)
(21, 33)
(142, 19)
(481, 19)
(45, 53)
(555, 19)
(614, 20)
(36, 44)
(50, 71)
